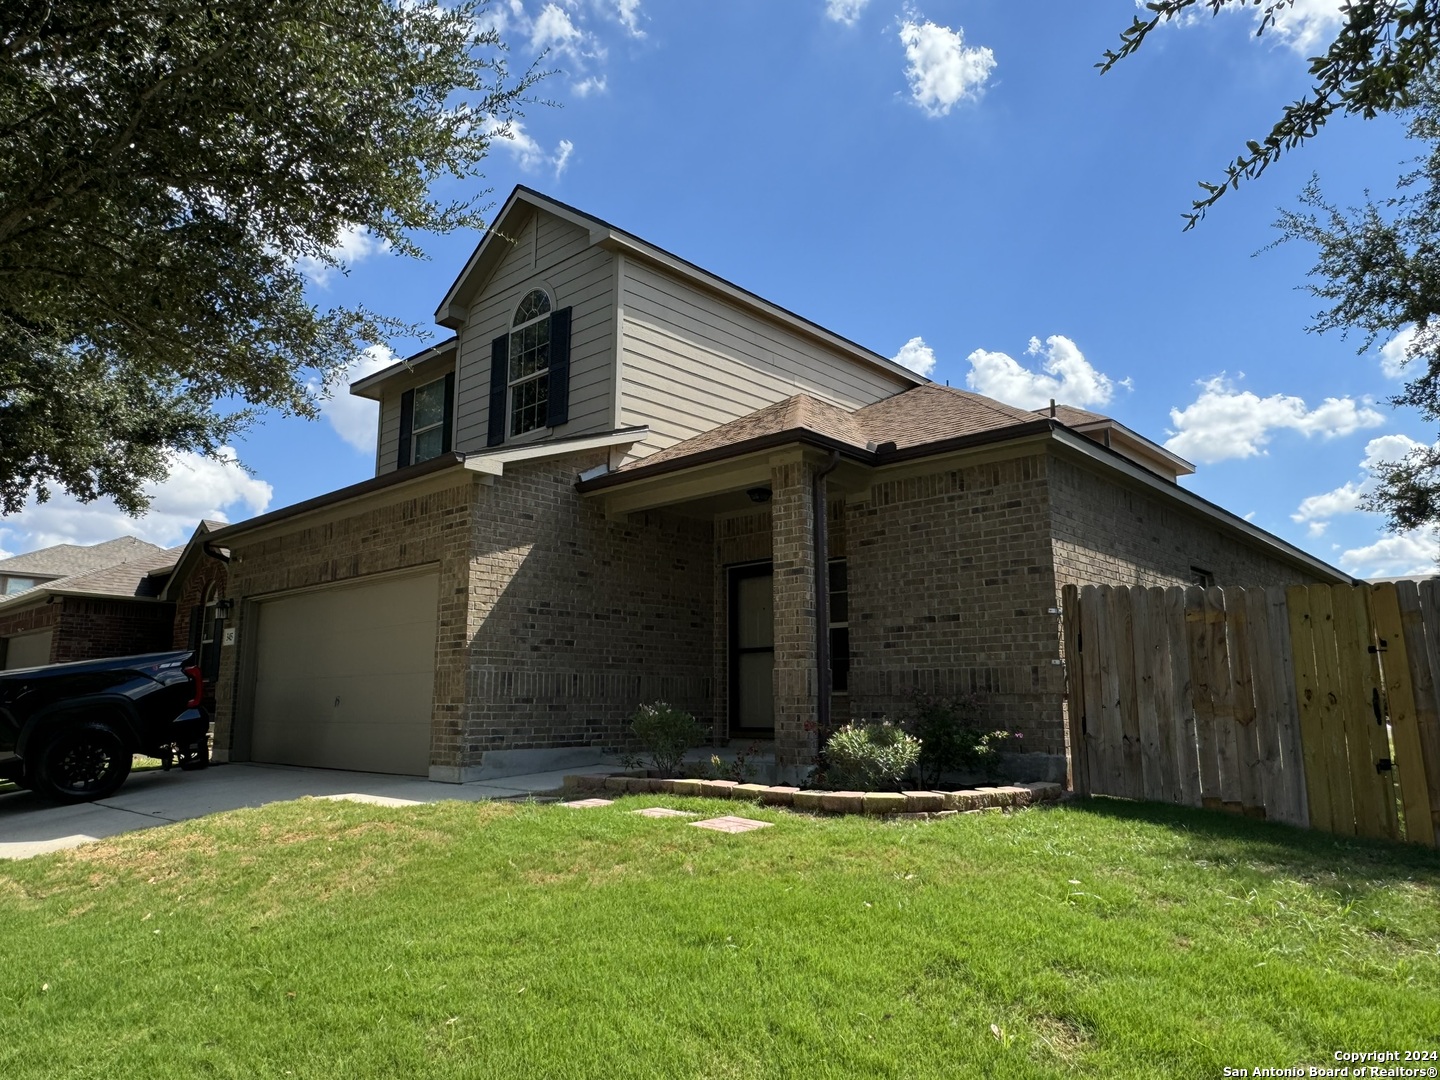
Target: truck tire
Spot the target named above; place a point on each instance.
(82, 762)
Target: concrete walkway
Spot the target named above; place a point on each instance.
(31, 826)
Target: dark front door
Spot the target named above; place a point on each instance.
(752, 649)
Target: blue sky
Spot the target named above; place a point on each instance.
(950, 182)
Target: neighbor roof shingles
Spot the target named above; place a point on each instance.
(63, 559)
(126, 579)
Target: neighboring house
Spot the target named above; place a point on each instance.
(110, 608)
(133, 597)
(626, 479)
(21, 572)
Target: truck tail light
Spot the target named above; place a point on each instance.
(197, 684)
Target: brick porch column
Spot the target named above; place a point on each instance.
(792, 523)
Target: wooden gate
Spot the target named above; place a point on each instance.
(1315, 705)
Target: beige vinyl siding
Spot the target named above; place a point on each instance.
(389, 438)
(555, 255)
(693, 361)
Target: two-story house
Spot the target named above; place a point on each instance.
(626, 479)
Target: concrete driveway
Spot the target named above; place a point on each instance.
(31, 826)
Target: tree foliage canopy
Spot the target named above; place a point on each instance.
(163, 166)
(1374, 64)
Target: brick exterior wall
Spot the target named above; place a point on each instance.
(206, 573)
(792, 518)
(89, 629)
(413, 530)
(1110, 534)
(575, 620)
(951, 576)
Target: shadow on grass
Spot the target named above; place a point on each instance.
(1290, 850)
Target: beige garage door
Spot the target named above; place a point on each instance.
(28, 650)
(345, 677)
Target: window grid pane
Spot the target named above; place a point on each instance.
(428, 445)
(529, 350)
(429, 405)
(535, 304)
(527, 405)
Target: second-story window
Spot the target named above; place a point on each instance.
(530, 363)
(426, 418)
(428, 434)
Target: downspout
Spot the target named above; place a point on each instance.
(821, 511)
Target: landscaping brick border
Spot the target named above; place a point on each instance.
(917, 805)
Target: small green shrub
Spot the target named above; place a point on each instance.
(954, 736)
(665, 733)
(872, 756)
(740, 770)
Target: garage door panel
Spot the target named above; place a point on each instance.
(28, 650)
(345, 677)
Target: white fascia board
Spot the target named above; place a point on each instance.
(493, 464)
(1222, 517)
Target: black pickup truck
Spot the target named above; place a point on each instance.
(69, 731)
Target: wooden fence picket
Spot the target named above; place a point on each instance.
(1401, 707)
(1275, 702)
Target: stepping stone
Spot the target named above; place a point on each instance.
(662, 812)
(731, 824)
(588, 804)
(373, 800)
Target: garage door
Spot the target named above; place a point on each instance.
(345, 677)
(27, 650)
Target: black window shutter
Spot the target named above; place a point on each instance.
(407, 424)
(557, 409)
(447, 433)
(499, 379)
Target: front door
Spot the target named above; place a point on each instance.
(752, 649)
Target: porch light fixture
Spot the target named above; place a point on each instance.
(758, 494)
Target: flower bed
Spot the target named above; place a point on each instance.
(916, 804)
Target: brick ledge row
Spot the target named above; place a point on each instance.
(875, 803)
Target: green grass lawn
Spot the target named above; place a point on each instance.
(322, 939)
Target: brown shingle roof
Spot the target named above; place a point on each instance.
(126, 579)
(931, 413)
(1070, 416)
(798, 413)
(915, 417)
(62, 560)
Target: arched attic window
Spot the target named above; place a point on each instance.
(530, 370)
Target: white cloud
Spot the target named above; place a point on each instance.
(1306, 25)
(917, 356)
(552, 29)
(197, 487)
(942, 69)
(1406, 554)
(529, 154)
(628, 12)
(562, 156)
(1064, 375)
(1227, 423)
(592, 85)
(354, 245)
(354, 418)
(1395, 352)
(1316, 510)
(845, 11)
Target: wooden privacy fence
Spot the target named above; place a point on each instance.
(1316, 705)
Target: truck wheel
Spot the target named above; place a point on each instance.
(84, 761)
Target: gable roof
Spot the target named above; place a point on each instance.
(61, 560)
(130, 580)
(524, 200)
